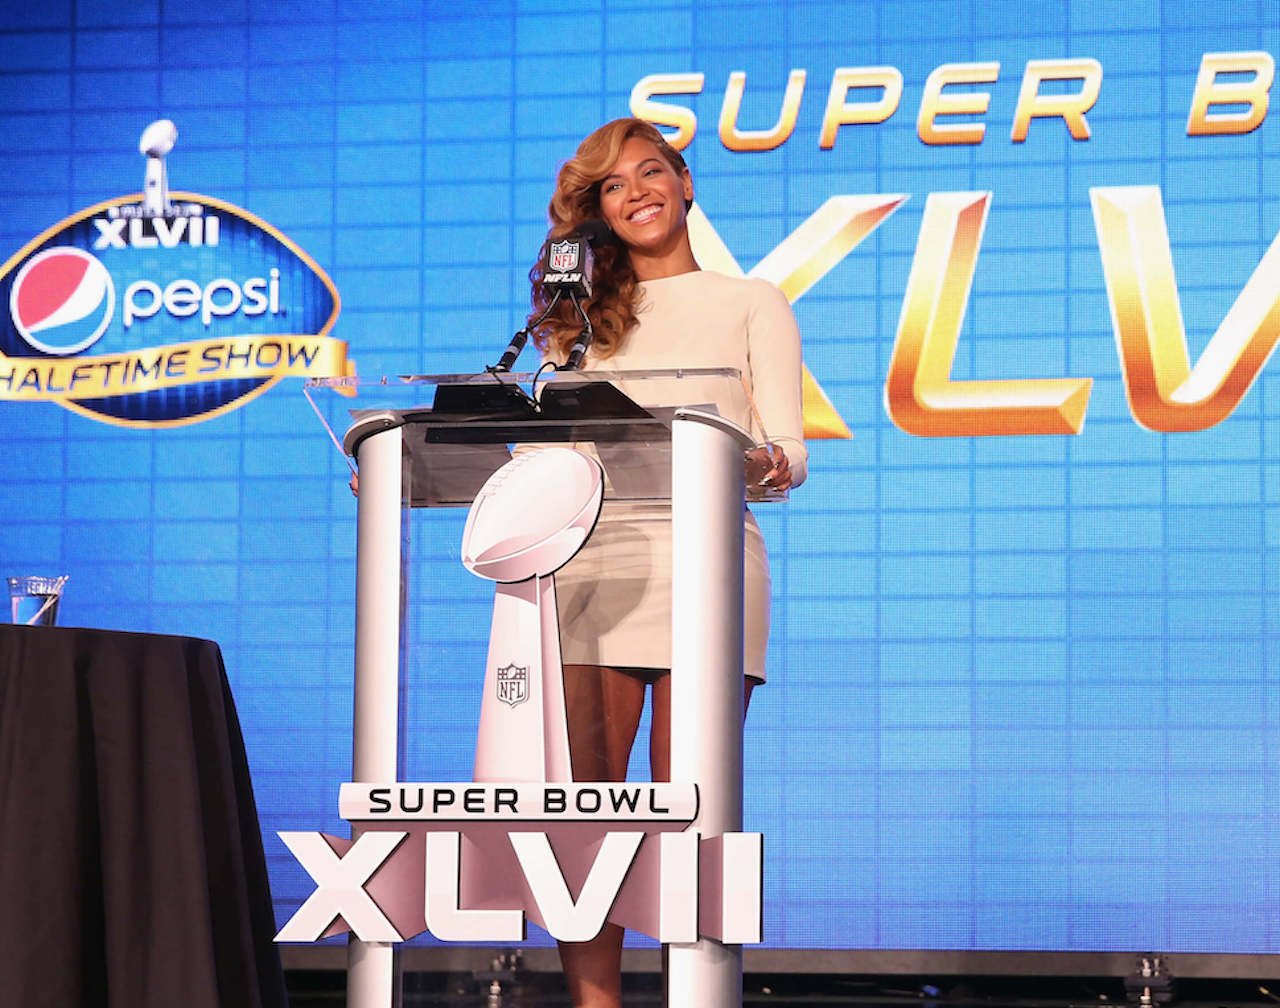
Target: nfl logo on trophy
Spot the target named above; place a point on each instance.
(513, 684)
(564, 255)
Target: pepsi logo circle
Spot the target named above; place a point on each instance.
(215, 308)
(62, 300)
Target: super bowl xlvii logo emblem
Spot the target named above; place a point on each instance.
(513, 684)
(564, 256)
(162, 309)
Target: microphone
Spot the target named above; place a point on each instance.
(574, 360)
(591, 233)
(514, 348)
(512, 351)
(567, 266)
(579, 349)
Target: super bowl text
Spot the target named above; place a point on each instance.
(473, 861)
(1231, 95)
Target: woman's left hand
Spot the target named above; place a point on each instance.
(768, 466)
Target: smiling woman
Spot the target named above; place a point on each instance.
(650, 168)
(653, 307)
(645, 200)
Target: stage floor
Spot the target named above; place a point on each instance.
(326, 989)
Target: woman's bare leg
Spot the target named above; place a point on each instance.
(660, 730)
(603, 707)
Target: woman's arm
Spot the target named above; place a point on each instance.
(776, 381)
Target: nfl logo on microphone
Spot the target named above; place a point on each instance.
(564, 256)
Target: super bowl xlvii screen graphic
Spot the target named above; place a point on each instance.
(1024, 645)
(162, 310)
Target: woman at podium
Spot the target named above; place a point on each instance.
(651, 306)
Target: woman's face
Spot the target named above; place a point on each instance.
(643, 199)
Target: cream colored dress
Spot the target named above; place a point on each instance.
(615, 596)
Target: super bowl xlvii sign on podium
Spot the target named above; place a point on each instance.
(476, 861)
(162, 309)
(523, 841)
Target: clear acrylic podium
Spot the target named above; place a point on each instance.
(675, 436)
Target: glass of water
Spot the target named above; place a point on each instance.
(33, 600)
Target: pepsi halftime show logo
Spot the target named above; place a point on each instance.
(162, 310)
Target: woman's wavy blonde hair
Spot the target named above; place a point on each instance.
(614, 295)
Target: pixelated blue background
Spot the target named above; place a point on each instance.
(1024, 691)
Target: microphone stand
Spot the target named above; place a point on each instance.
(579, 350)
(509, 355)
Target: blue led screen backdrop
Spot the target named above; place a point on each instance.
(1024, 684)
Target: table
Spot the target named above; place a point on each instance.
(131, 865)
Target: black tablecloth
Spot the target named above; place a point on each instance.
(131, 866)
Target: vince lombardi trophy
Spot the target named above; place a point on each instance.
(157, 141)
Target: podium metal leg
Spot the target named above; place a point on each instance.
(706, 670)
(372, 974)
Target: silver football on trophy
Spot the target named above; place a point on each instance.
(533, 515)
(158, 138)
